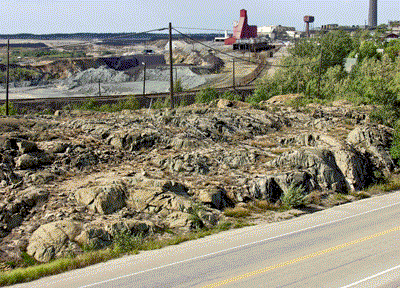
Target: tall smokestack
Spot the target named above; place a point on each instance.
(373, 13)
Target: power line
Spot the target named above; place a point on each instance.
(205, 29)
(214, 49)
(239, 58)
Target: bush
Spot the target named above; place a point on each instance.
(207, 95)
(11, 109)
(126, 242)
(294, 197)
(231, 96)
(178, 85)
(132, 103)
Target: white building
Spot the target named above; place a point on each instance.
(269, 31)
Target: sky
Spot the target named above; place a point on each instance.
(112, 16)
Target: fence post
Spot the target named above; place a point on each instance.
(7, 75)
(171, 68)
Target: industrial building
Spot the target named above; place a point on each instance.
(242, 30)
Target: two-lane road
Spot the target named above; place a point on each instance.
(353, 245)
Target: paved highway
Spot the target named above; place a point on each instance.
(353, 245)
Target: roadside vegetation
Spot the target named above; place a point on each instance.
(124, 244)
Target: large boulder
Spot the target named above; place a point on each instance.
(265, 188)
(153, 195)
(94, 237)
(355, 165)
(103, 198)
(215, 197)
(26, 161)
(319, 163)
(376, 140)
(54, 240)
(25, 146)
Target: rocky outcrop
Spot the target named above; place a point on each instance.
(12, 214)
(188, 162)
(105, 198)
(136, 140)
(215, 197)
(54, 240)
(376, 140)
(141, 172)
(319, 163)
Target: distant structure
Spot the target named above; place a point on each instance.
(242, 30)
(373, 13)
(308, 20)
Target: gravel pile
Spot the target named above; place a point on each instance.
(93, 75)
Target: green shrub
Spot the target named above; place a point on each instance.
(124, 242)
(195, 211)
(207, 95)
(159, 104)
(294, 197)
(178, 85)
(231, 96)
(131, 103)
(11, 109)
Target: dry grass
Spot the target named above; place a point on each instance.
(262, 206)
(237, 212)
(391, 183)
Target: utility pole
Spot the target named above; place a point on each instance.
(233, 73)
(144, 78)
(171, 68)
(319, 72)
(99, 88)
(7, 75)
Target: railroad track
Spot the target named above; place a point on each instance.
(145, 100)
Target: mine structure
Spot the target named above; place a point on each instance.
(245, 36)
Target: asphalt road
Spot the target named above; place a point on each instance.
(353, 245)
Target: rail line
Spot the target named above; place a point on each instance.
(145, 100)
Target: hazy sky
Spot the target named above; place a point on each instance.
(66, 16)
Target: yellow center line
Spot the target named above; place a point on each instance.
(315, 254)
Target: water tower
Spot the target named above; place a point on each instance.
(308, 20)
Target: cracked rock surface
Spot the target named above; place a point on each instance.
(79, 178)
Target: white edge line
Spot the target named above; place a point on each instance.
(240, 246)
(371, 277)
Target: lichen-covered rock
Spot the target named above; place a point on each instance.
(376, 140)
(265, 188)
(105, 198)
(27, 146)
(216, 197)
(319, 163)
(189, 162)
(53, 240)
(355, 165)
(134, 141)
(94, 237)
(26, 161)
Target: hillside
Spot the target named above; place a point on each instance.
(81, 179)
